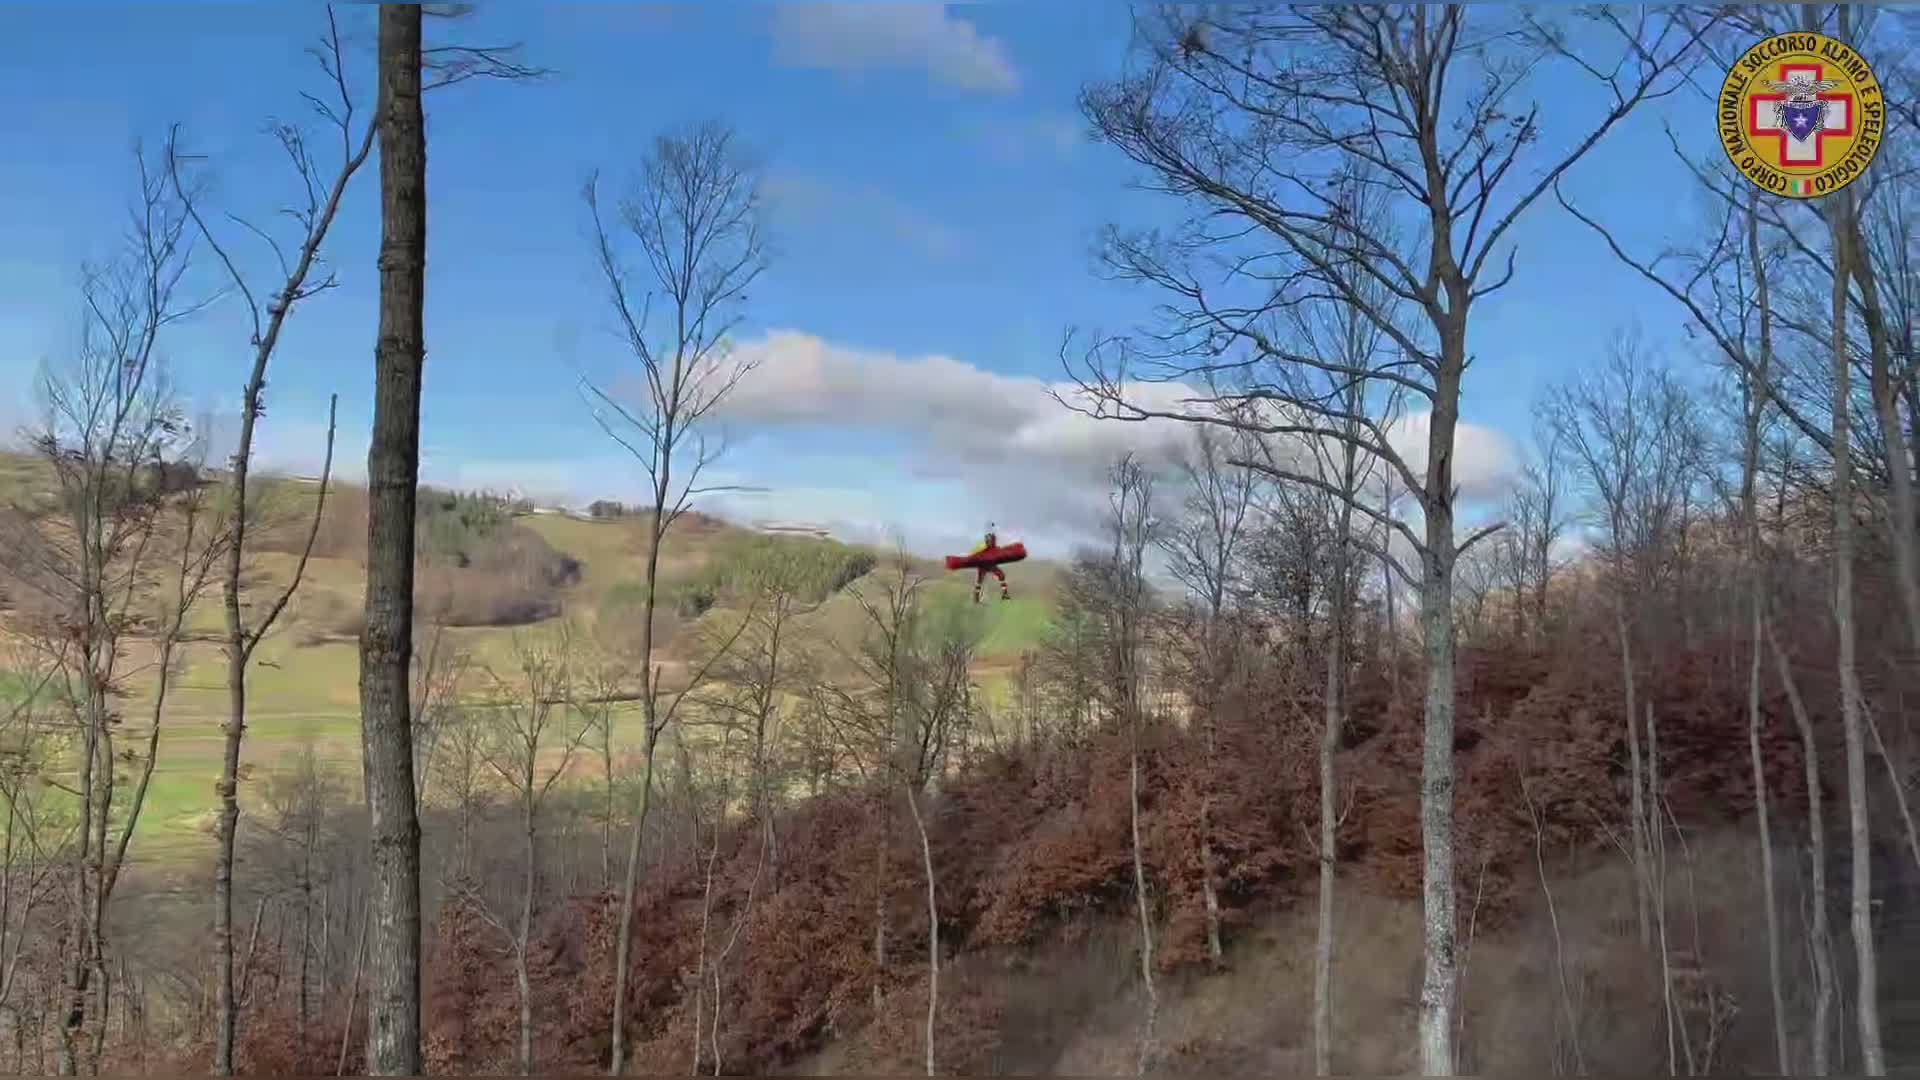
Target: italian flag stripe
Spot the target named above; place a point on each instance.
(1799, 186)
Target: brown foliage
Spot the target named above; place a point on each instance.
(1031, 850)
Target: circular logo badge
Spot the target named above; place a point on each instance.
(1801, 115)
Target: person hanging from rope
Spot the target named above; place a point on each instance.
(986, 558)
(981, 570)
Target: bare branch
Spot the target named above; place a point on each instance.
(279, 603)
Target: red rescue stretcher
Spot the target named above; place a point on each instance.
(993, 556)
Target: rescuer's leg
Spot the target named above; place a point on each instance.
(1001, 574)
(979, 576)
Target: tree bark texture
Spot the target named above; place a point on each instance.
(1144, 906)
(386, 643)
(1637, 804)
(1822, 932)
(1336, 708)
(624, 934)
(933, 925)
(1440, 973)
(1753, 394)
(1866, 966)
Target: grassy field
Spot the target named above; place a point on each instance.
(303, 684)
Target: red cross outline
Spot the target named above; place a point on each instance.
(1755, 131)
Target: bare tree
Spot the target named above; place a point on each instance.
(1201, 547)
(1628, 429)
(1842, 216)
(1537, 518)
(34, 842)
(1215, 116)
(1657, 885)
(868, 717)
(758, 677)
(1341, 336)
(297, 849)
(599, 682)
(1876, 218)
(1753, 413)
(694, 211)
(1072, 657)
(120, 551)
(721, 769)
(460, 774)
(393, 480)
(1553, 916)
(322, 193)
(1726, 286)
(531, 739)
(1821, 937)
(1131, 526)
(440, 666)
(899, 716)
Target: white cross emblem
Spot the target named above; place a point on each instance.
(1765, 119)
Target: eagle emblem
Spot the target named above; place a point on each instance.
(1802, 113)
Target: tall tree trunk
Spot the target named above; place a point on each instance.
(1218, 665)
(393, 468)
(1657, 884)
(323, 977)
(706, 923)
(933, 925)
(1897, 782)
(1821, 946)
(606, 823)
(1440, 972)
(1567, 1012)
(1637, 805)
(530, 885)
(1392, 588)
(358, 963)
(306, 934)
(1841, 210)
(102, 1000)
(650, 706)
(1209, 872)
(1753, 407)
(1144, 907)
(1216, 674)
(1765, 830)
(224, 1004)
(1336, 710)
(624, 933)
(880, 892)
(79, 926)
(1885, 390)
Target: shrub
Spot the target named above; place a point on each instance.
(480, 568)
(692, 599)
(608, 508)
(813, 569)
(456, 526)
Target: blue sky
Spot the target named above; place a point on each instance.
(932, 196)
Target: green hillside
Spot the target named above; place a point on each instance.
(495, 577)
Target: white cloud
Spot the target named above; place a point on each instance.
(1483, 459)
(854, 36)
(1022, 457)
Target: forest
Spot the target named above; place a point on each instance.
(1303, 760)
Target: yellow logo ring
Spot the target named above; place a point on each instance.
(1801, 115)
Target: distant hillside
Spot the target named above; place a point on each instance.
(488, 569)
